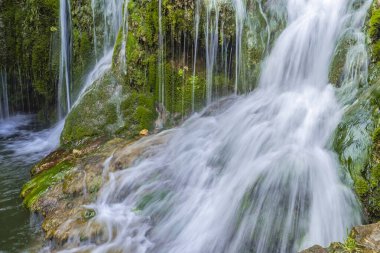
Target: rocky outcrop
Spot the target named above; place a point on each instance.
(68, 180)
(362, 239)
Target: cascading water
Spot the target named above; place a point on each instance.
(161, 65)
(196, 26)
(112, 15)
(211, 35)
(255, 177)
(64, 83)
(94, 24)
(41, 143)
(122, 55)
(239, 23)
(356, 64)
(4, 108)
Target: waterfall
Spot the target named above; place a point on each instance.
(239, 23)
(355, 71)
(64, 83)
(112, 15)
(123, 51)
(161, 59)
(258, 176)
(211, 35)
(196, 25)
(4, 103)
(47, 140)
(94, 25)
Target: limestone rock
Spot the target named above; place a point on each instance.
(68, 180)
(362, 239)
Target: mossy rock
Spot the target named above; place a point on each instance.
(107, 109)
(39, 184)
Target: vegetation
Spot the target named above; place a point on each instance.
(357, 139)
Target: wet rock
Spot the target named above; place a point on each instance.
(362, 239)
(368, 236)
(315, 249)
(81, 174)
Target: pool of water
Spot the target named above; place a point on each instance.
(23, 142)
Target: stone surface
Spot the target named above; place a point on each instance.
(362, 239)
(62, 203)
(315, 249)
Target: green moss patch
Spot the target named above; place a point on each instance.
(38, 185)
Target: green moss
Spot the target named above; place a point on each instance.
(136, 107)
(88, 214)
(374, 24)
(374, 32)
(28, 53)
(139, 113)
(36, 187)
(376, 135)
(144, 116)
(361, 186)
(95, 112)
(375, 176)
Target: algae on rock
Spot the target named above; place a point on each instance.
(355, 140)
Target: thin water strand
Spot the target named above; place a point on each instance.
(64, 83)
(4, 103)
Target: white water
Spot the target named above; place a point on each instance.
(24, 142)
(211, 37)
(4, 107)
(33, 145)
(239, 23)
(112, 21)
(256, 177)
(64, 83)
(355, 72)
(196, 26)
(161, 60)
(10, 126)
(122, 56)
(36, 145)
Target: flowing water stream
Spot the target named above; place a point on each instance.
(65, 79)
(258, 176)
(4, 109)
(22, 143)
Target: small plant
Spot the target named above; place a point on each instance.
(350, 246)
(89, 214)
